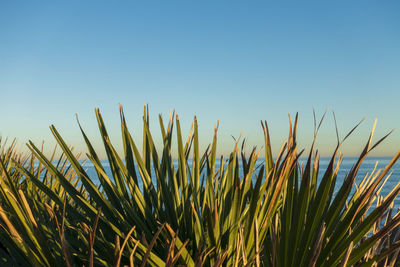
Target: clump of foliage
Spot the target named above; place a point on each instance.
(193, 213)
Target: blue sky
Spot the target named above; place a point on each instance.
(236, 62)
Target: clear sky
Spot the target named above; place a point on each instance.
(236, 62)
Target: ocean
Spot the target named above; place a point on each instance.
(365, 169)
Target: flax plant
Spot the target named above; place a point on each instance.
(42, 226)
(316, 226)
(202, 210)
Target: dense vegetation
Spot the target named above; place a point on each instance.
(153, 212)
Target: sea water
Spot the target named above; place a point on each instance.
(365, 169)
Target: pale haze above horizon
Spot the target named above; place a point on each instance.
(227, 61)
